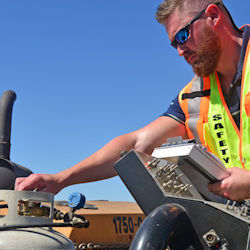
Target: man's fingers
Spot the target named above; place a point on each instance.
(18, 182)
(215, 187)
(219, 188)
(29, 183)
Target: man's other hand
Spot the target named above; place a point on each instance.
(234, 187)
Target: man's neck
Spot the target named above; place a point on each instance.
(228, 64)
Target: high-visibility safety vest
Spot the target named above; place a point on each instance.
(209, 121)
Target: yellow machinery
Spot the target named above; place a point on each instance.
(112, 224)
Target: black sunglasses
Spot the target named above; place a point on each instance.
(183, 34)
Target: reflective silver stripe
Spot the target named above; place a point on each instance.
(194, 107)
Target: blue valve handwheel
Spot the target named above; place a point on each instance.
(76, 200)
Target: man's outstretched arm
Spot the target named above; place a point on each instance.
(100, 165)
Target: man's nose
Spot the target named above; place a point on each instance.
(181, 49)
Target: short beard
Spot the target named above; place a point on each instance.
(208, 53)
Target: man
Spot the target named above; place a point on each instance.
(203, 33)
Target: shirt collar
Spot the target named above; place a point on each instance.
(246, 35)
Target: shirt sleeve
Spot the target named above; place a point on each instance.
(174, 111)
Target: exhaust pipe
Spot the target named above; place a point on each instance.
(9, 171)
(6, 105)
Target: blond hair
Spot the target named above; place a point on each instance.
(167, 7)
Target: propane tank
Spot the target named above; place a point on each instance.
(23, 227)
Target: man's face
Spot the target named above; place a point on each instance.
(207, 53)
(203, 48)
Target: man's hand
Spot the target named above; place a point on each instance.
(43, 182)
(235, 187)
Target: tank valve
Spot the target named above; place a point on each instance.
(76, 201)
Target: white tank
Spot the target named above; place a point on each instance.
(29, 238)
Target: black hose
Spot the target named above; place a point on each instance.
(6, 105)
(9, 171)
(167, 225)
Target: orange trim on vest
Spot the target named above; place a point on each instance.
(187, 89)
(247, 104)
(184, 106)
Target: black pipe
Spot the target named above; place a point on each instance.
(9, 171)
(167, 225)
(6, 105)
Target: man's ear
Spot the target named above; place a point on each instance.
(213, 13)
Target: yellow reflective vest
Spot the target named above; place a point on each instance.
(209, 121)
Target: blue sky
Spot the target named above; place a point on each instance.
(85, 72)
